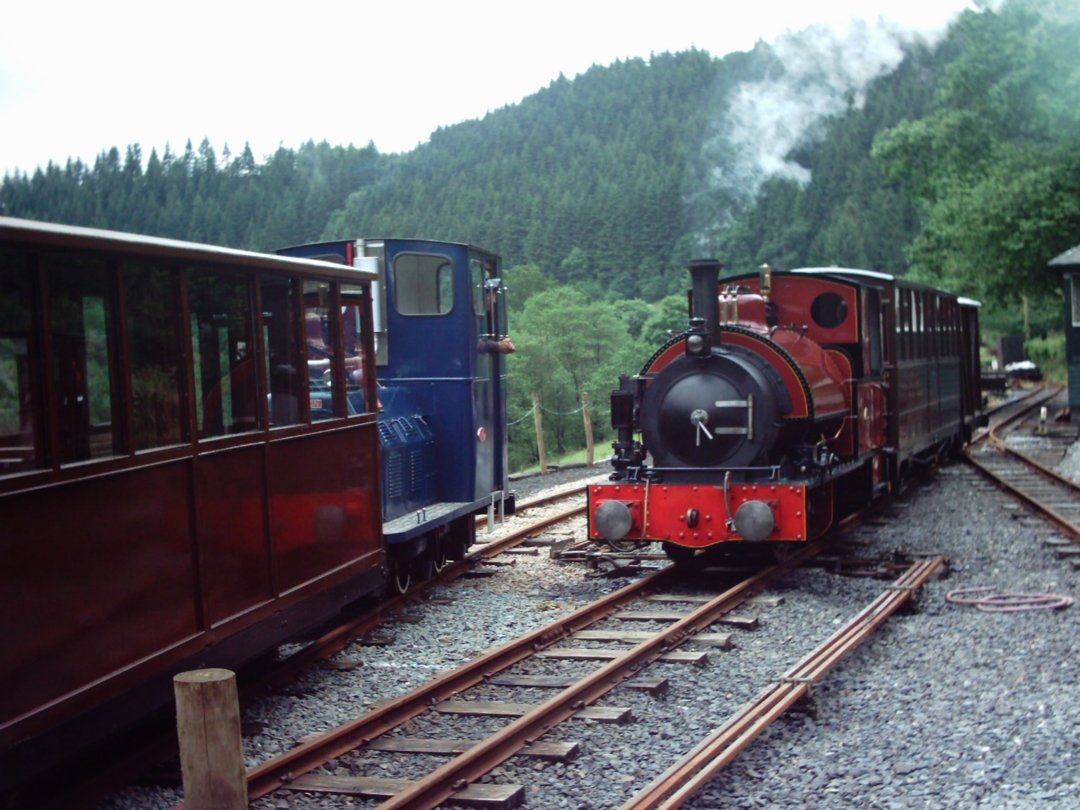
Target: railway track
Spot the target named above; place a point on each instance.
(456, 781)
(996, 453)
(336, 762)
(467, 758)
(155, 743)
(606, 659)
(688, 775)
(574, 697)
(340, 636)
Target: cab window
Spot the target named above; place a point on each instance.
(423, 284)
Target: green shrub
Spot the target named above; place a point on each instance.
(1049, 355)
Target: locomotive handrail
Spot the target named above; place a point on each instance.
(730, 522)
(772, 469)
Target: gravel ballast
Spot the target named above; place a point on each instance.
(951, 706)
(945, 707)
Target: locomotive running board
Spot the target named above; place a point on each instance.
(418, 521)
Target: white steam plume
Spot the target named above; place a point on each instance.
(824, 73)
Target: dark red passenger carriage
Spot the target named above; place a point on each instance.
(169, 497)
(793, 399)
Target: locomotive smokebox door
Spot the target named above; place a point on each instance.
(712, 411)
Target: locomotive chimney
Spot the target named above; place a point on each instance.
(705, 278)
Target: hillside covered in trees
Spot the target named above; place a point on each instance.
(956, 161)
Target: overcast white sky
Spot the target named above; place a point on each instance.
(79, 77)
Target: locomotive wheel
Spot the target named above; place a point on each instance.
(400, 579)
(680, 555)
(440, 558)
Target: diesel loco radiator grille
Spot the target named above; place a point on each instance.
(393, 482)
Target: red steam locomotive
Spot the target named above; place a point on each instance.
(793, 400)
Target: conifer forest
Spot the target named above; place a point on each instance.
(955, 162)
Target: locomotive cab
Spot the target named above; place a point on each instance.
(439, 328)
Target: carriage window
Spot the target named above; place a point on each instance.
(916, 324)
(156, 380)
(318, 332)
(423, 284)
(222, 352)
(283, 361)
(922, 337)
(903, 323)
(936, 345)
(17, 445)
(81, 323)
(352, 333)
(946, 326)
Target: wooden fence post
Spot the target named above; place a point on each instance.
(208, 724)
(539, 422)
(587, 418)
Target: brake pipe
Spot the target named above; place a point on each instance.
(994, 601)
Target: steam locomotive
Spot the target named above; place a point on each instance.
(793, 399)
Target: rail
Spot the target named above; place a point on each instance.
(687, 776)
(336, 639)
(1055, 496)
(289, 769)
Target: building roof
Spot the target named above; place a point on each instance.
(1070, 258)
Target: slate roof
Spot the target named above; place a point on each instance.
(1070, 258)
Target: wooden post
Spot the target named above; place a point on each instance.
(539, 422)
(208, 724)
(588, 429)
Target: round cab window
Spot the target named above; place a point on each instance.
(829, 310)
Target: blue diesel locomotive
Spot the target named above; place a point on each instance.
(439, 329)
